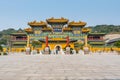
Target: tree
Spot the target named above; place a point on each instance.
(4, 35)
(36, 43)
(1, 49)
(117, 44)
(3, 41)
(106, 28)
(7, 31)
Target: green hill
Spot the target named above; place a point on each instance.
(106, 28)
(4, 35)
(7, 31)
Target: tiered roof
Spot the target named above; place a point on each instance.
(19, 32)
(37, 24)
(101, 42)
(77, 24)
(57, 20)
(28, 30)
(96, 34)
(85, 30)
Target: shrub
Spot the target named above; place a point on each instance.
(5, 53)
(1, 49)
(117, 44)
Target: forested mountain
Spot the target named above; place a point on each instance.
(106, 28)
(7, 31)
(4, 35)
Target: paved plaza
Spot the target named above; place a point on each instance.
(59, 67)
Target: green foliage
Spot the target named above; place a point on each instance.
(78, 44)
(3, 41)
(36, 43)
(5, 53)
(7, 31)
(117, 44)
(106, 28)
(1, 48)
(4, 35)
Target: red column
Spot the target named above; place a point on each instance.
(67, 41)
(46, 41)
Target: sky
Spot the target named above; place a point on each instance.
(17, 13)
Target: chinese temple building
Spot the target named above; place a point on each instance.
(96, 39)
(18, 41)
(56, 33)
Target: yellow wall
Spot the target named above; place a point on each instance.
(17, 49)
(53, 45)
(4, 49)
(106, 49)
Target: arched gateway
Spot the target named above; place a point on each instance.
(58, 49)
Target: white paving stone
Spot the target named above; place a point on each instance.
(59, 67)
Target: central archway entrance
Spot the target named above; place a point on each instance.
(58, 49)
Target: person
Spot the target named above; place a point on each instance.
(58, 50)
(86, 50)
(67, 50)
(27, 50)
